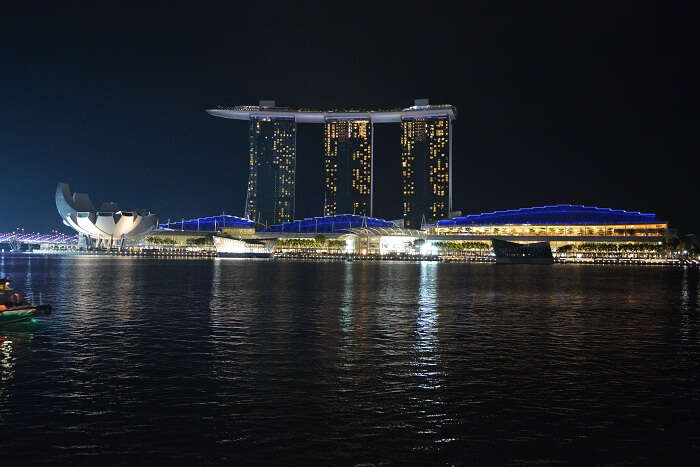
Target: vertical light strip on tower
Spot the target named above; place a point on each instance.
(408, 171)
(449, 201)
(330, 165)
(371, 169)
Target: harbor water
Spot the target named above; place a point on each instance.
(216, 361)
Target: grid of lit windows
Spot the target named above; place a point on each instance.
(348, 167)
(272, 161)
(425, 171)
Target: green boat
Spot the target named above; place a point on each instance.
(14, 307)
(14, 315)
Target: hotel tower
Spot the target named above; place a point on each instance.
(348, 167)
(272, 167)
(426, 167)
(348, 159)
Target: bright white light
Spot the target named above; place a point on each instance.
(229, 245)
(349, 245)
(428, 249)
(394, 244)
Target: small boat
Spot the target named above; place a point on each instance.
(243, 248)
(14, 307)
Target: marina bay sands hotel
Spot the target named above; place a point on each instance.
(426, 159)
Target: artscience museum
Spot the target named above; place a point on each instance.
(106, 227)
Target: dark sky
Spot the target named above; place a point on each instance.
(559, 102)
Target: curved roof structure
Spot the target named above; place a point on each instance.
(388, 231)
(559, 214)
(36, 237)
(340, 223)
(78, 212)
(247, 112)
(211, 223)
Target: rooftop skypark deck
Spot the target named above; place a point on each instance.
(247, 112)
(348, 159)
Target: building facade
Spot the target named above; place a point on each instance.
(560, 224)
(348, 159)
(571, 232)
(106, 227)
(272, 163)
(348, 167)
(426, 159)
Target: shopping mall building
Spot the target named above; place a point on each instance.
(561, 224)
(567, 228)
(428, 225)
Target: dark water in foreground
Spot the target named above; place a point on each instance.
(202, 361)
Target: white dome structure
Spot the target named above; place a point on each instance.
(105, 227)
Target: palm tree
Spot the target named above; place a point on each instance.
(320, 239)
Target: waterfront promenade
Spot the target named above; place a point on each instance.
(175, 253)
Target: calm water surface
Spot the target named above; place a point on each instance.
(224, 361)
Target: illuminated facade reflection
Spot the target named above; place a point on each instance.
(426, 318)
(689, 298)
(428, 365)
(346, 310)
(28, 290)
(219, 309)
(7, 362)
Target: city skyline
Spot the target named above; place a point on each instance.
(402, 233)
(601, 116)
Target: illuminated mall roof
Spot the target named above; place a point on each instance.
(559, 214)
(246, 112)
(209, 224)
(339, 223)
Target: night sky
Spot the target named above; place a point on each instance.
(558, 102)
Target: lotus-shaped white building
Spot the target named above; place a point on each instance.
(106, 227)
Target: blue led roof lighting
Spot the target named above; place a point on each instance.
(328, 224)
(209, 224)
(559, 214)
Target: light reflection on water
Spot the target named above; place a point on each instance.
(426, 345)
(346, 311)
(7, 361)
(297, 363)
